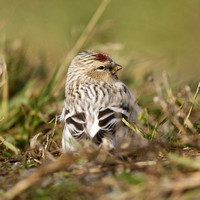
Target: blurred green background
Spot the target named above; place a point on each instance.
(154, 34)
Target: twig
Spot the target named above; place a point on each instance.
(133, 128)
(51, 135)
(116, 167)
(171, 97)
(35, 144)
(129, 125)
(3, 69)
(171, 106)
(190, 111)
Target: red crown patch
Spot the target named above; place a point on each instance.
(101, 57)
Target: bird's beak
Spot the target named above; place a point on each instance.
(116, 68)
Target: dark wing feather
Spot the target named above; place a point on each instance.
(109, 121)
(76, 125)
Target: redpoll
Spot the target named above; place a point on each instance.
(95, 102)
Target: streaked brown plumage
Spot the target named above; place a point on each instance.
(96, 100)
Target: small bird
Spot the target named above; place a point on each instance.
(95, 102)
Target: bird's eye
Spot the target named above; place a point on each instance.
(101, 68)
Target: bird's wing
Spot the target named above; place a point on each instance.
(74, 120)
(122, 105)
(109, 120)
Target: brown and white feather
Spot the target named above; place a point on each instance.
(95, 101)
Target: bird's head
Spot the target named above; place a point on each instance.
(96, 66)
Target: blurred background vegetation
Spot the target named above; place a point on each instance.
(155, 34)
